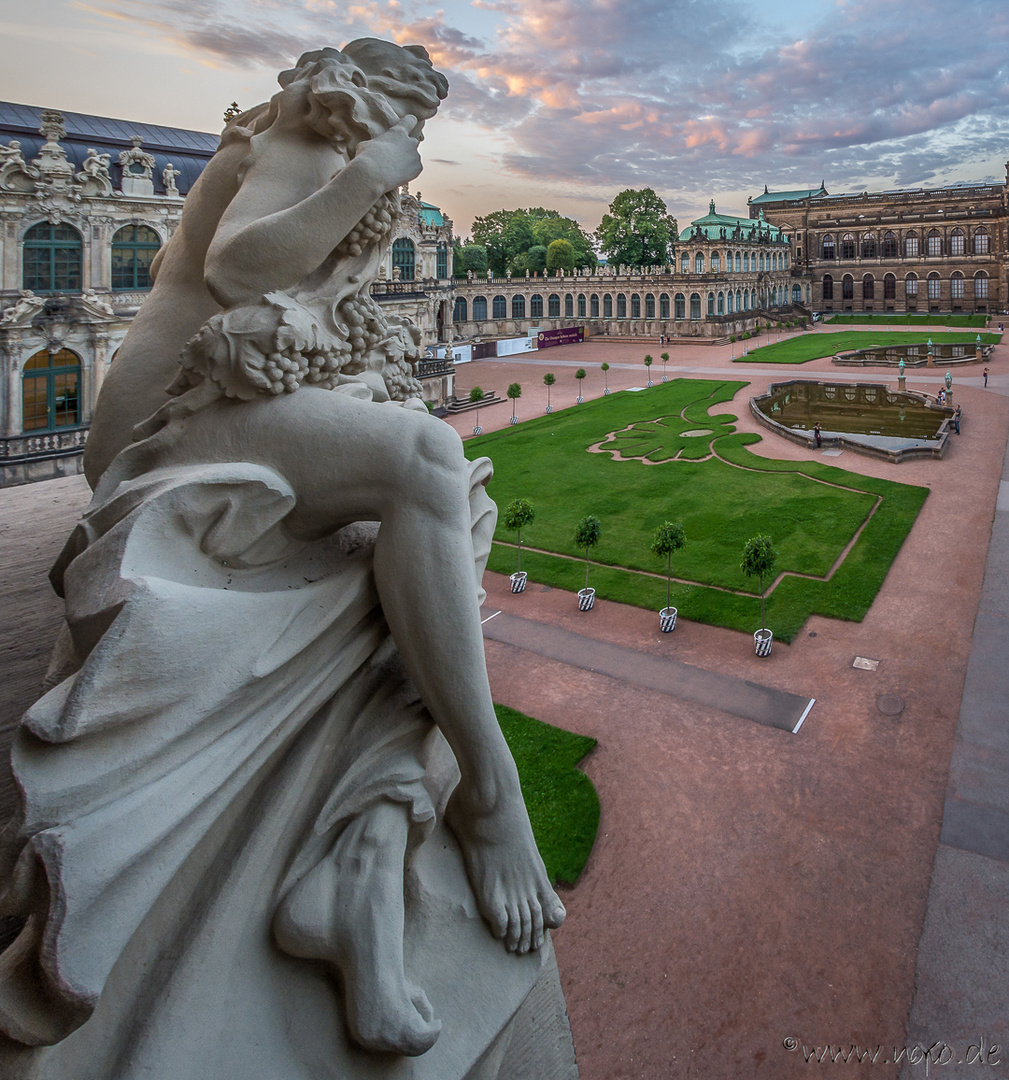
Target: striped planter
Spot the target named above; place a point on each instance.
(518, 580)
(762, 642)
(586, 599)
(667, 620)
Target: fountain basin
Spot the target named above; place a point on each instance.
(868, 418)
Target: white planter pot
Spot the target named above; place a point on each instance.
(606, 391)
(550, 408)
(518, 580)
(586, 599)
(762, 640)
(513, 419)
(579, 400)
(477, 430)
(667, 620)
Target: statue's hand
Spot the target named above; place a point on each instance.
(393, 157)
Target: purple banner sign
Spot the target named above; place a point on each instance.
(567, 335)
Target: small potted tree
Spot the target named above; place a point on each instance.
(517, 515)
(579, 375)
(648, 368)
(758, 560)
(664, 357)
(587, 533)
(666, 539)
(606, 383)
(514, 392)
(549, 379)
(476, 395)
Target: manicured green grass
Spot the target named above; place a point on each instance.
(562, 803)
(908, 320)
(719, 505)
(812, 346)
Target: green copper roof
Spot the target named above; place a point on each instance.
(430, 214)
(790, 196)
(715, 226)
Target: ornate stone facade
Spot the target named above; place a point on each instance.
(727, 273)
(941, 250)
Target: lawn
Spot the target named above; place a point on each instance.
(562, 803)
(922, 320)
(653, 472)
(812, 346)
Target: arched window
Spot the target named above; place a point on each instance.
(684, 263)
(50, 391)
(911, 285)
(581, 306)
(848, 287)
(738, 261)
(934, 242)
(535, 306)
(728, 262)
(680, 306)
(621, 306)
(518, 306)
(649, 306)
(554, 305)
(956, 285)
(459, 315)
(981, 241)
(442, 260)
(828, 287)
(760, 262)
(889, 287)
(796, 294)
(607, 306)
(746, 299)
(133, 251)
(934, 286)
(569, 305)
(500, 307)
(956, 242)
(635, 306)
(699, 263)
(52, 259)
(663, 305)
(404, 256)
(594, 306)
(869, 245)
(721, 303)
(911, 245)
(980, 285)
(716, 262)
(868, 287)
(739, 300)
(695, 305)
(711, 304)
(728, 303)
(889, 246)
(480, 308)
(847, 246)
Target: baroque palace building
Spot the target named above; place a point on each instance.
(728, 273)
(940, 250)
(86, 202)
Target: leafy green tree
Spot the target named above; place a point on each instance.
(514, 392)
(664, 357)
(509, 234)
(666, 539)
(579, 375)
(517, 515)
(648, 367)
(605, 367)
(549, 379)
(470, 257)
(554, 227)
(476, 395)
(587, 534)
(561, 255)
(759, 558)
(638, 230)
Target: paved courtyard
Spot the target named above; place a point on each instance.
(749, 886)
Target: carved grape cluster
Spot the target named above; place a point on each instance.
(286, 371)
(372, 228)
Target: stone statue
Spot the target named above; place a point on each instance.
(168, 175)
(269, 827)
(94, 176)
(26, 308)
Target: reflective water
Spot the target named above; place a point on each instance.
(871, 414)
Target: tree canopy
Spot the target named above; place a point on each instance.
(638, 230)
(470, 257)
(519, 240)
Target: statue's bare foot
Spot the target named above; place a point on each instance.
(505, 869)
(349, 912)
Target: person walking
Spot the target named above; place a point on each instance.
(956, 419)
(817, 436)
(985, 373)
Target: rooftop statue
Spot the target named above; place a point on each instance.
(269, 826)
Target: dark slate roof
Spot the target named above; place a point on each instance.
(188, 151)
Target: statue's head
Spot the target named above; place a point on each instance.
(366, 88)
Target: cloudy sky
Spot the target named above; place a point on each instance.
(563, 103)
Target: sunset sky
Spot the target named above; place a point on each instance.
(562, 103)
